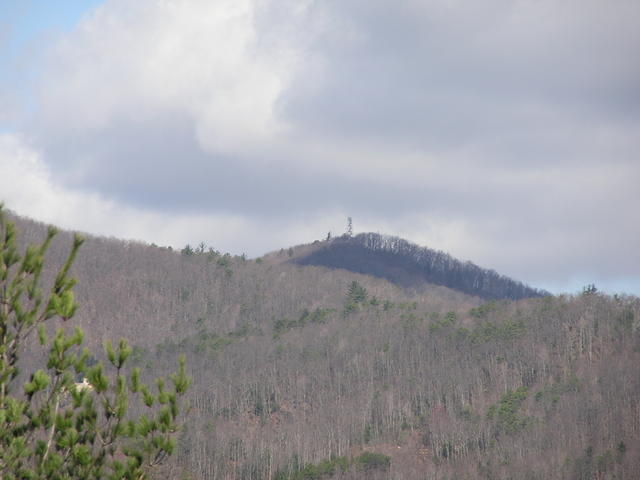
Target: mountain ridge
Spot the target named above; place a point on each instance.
(305, 372)
(410, 265)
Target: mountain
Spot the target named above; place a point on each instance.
(308, 372)
(409, 265)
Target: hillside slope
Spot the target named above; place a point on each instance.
(409, 265)
(299, 371)
(149, 293)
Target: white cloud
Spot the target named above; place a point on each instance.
(505, 133)
(196, 58)
(27, 187)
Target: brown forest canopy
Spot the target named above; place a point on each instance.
(305, 372)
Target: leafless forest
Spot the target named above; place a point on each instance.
(307, 372)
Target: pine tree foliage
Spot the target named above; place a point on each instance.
(50, 426)
(356, 296)
(357, 293)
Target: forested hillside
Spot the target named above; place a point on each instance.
(409, 265)
(306, 372)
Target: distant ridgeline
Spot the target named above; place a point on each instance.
(410, 265)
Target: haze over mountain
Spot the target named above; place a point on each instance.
(304, 372)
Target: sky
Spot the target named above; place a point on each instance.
(504, 132)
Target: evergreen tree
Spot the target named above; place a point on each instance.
(50, 426)
(356, 293)
(356, 296)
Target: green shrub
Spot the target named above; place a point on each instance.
(484, 310)
(506, 411)
(373, 461)
(325, 469)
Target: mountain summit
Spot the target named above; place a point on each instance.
(409, 265)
